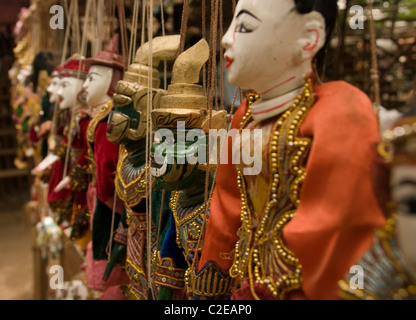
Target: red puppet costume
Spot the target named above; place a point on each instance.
(106, 69)
(72, 75)
(60, 202)
(305, 210)
(336, 216)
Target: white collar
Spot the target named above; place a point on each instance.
(263, 109)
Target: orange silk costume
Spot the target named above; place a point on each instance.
(338, 211)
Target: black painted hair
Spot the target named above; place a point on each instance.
(329, 10)
(42, 61)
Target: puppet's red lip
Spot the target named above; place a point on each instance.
(228, 62)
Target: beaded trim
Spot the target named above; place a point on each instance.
(260, 252)
(81, 224)
(130, 182)
(210, 281)
(167, 275)
(92, 127)
(63, 208)
(384, 276)
(138, 282)
(60, 150)
(79, 178)
(189, 222)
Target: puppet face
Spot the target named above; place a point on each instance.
(68, 91)
(175, 155)
(128, 120)
(403, 183)
(53, 89)
(96, 85)
(124, 124)
(269, 39)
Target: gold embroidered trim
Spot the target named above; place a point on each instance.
(173, 205)
(134, 192)
(208, 282)
(167, 275)
(261, 254)
(102, 114)
(92, 127)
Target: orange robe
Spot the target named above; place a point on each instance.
(338, 212)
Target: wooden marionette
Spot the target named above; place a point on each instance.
(52, 166)
(294, 219)
(105, 70)
(73, 74)
(127, 125)
(42, 69)
(179, 164)
(387, 271)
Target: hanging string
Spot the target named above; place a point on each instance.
(221, 17)
(67, 32)
(214, 35)
(165, 63)
(184, 25)
(85, 27)
(148, 146)
(55, 118)
(73, 110)
(100, 24)
(208, 191)
(123, 31)
(124, 53)
(132, 49)
(204, 36)
(77, 29)
(215, 11)
(374, 64)
(143, 23)
(73, 15)
(111, 12)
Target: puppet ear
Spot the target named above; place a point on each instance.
(312, 37)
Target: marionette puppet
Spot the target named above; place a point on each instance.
(387, 271)
(105, 70)
(51, 168)
(42, 69)
(73, 74)
(35, 106)
(179, 163)
(291, 227)
(127, 126)
(52, 91)
(53, 99)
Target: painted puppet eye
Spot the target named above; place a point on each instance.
(245, 27)
(407, 205)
